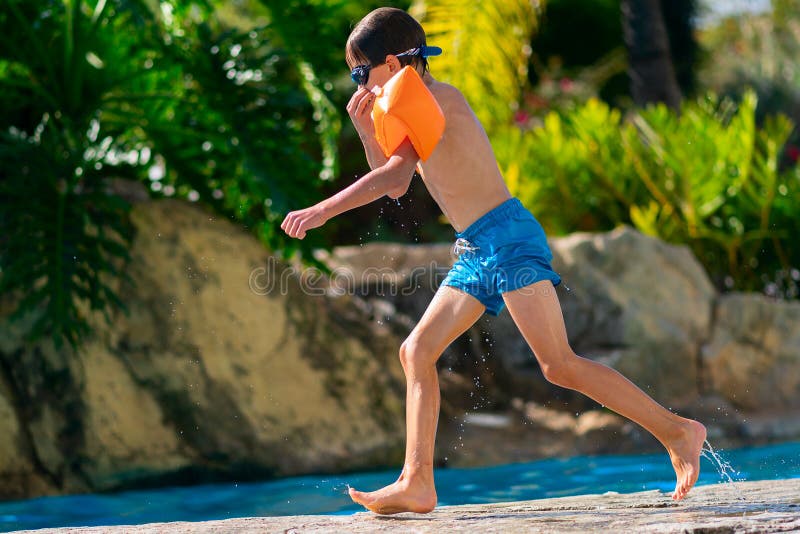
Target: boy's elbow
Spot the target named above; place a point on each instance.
(399, 191)
(400, 180)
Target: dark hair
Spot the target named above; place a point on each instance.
(387, 30)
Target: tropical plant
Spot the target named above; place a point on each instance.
(569, 169)
(714, 182)
(708, 177)
(96, 91)
(758, 51)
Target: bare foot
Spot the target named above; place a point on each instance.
(684, 452)
(402, 496)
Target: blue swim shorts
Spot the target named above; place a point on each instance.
(504, 250)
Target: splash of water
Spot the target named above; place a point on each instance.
(724, 468)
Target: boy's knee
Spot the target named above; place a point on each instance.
(414, 351)
(562, 370)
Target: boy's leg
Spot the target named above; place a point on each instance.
(537, 313)
(450, 313)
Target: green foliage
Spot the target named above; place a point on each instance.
(61, 231)
(96, 91)
(486, 48)
(708, 177)
(576, 159)
(758, 51)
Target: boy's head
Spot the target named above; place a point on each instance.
(384, 41)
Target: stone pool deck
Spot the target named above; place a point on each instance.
(751, 507)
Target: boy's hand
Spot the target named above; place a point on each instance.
(296, 223)
(360, 110)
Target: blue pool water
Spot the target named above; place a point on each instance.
(328, 494)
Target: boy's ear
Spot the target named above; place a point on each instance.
(393, 63)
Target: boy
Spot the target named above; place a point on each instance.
(505, 262)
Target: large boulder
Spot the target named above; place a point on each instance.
(397, 281)
(253, 373)
(753, 357)
(42, 385)
(228, 366)
(18, 474)
(630, 301)
(126, 446)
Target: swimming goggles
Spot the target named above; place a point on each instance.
(360, 73)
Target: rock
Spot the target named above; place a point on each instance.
(251, 381)
(17, 472)
(229, 366)
(530, 431)
(389, 263)
(125, 446)
(43, 387)
(597, 420)
(771, 427)
(753, 357)
(556, 420)
(614, 313)
(740, 507)
(398, 281)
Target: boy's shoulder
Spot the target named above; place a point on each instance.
(448, 97)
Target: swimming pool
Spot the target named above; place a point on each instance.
(328, 494)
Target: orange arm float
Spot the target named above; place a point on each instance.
(405, 107)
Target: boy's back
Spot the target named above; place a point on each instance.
(462, 174)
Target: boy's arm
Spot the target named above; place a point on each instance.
(360, 110)
(391, 178)
(394, 175)
(375, 157)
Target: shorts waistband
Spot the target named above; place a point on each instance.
(493, 216)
